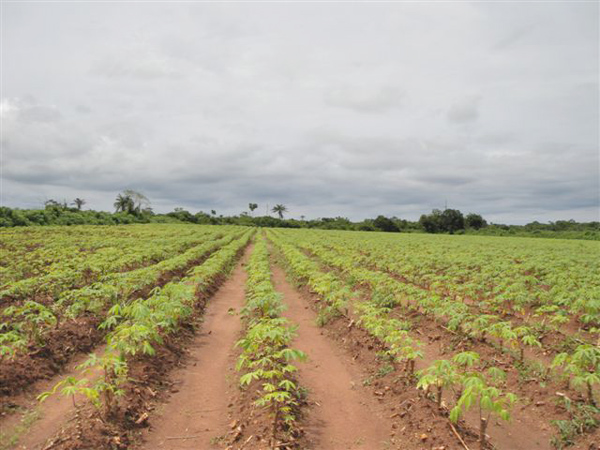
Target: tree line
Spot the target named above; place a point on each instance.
(134, 207)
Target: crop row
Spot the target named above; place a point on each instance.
(267, 357)
(71, 271)
(25, 325)
(525, 277)
(85, 248)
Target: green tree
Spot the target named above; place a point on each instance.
(183, 215)
(452, 220)
(475, 221)
(279, 209)
(55, 205)
(252, 206)
(384, 224)
(432, 223)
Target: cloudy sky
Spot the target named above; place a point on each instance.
(351, 109)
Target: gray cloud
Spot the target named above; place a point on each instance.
(377, 100)
(467, 110)
(388, 108)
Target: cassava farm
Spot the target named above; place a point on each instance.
(168, 336)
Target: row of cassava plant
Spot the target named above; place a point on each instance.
(522, 276)
(35, 252)
(267, 357)
(135, 328)
(66, 266)
(582, 366)
(334, 294)
(456, 315)
(27, 324)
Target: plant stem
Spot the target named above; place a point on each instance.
(590, 394)
(482, 428)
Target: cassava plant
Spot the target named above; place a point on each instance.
(483, 391)
(582, 368)
(441, 374)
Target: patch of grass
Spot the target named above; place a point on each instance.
(10, 440)
(584, 418)
(529, 370)
(217, 440)
(382, 372)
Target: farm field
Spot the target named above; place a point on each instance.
(188, 336)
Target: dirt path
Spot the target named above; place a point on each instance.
(343, 416)
(198, 409)
(40, 421)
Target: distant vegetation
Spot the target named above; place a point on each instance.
(134, 207)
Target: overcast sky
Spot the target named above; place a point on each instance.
(351, 109)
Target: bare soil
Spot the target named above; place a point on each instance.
(416, 423)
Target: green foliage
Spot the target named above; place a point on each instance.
(449, 221)
(30, 320)
(266, 356)
(483, 390)
(442, 374)
(582, 367)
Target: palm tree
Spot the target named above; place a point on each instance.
(124, 203)
(79, 202)
(132, 202)
(279, 209)
(140, 201)
(252, 207)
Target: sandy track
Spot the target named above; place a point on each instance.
(198, 411)
(344, 415)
